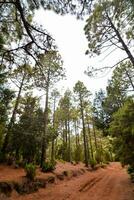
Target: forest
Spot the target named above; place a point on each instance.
(71, 127)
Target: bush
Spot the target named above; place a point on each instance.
(30, 171)
(93, 163)
(2, 157)
(62, 161)
(48, 166)
(20, 163)
(130, 171)
(78, 154)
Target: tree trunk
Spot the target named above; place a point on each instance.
(44, 142)
(90, 141)
(69, 142)
(53, 140)
(88, 149)
(130, 56)
(130, 79)
(84, 133)
(52, 151)
(95, 139)
(76, 135)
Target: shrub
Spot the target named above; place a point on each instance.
(20, 163)
(62, 161)
(48, 166)
(30, 171)
(132, 177)
(10, 160)
(2, 157)
(93, 163)
(130, 171)
(78, 154)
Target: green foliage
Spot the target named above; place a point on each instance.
(100, 18)
(30, 171)
(93, 163)
(100, 115)
(26, 133)
(62, 161)
(51, 67)
(78, 154)
(122, 127)
(48, 166)
(130, 171)
(63, 152)
(6, 96)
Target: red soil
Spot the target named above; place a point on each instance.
(111, 183)
(9, 173)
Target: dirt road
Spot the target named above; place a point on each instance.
(111, 183)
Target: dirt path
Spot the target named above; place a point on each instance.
(111, 183)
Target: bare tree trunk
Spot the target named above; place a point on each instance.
(69, 142)
(90, 141)
(76, 138)
(53, 140)
(88, 148)
(44, 142)
(130, 79)
(84, 134)
(95, 139)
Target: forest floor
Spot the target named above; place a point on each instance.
(111, 183)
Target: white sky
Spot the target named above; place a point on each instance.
(72, 44)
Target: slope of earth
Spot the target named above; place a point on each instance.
(111, 183)
(9, 173)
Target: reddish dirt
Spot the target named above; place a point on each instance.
(111, 183)
(9, 173)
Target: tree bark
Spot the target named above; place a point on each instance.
(53, 140)
(95, 139)
(69, 141)
(130, 79)
(90, 141)
(84, 133)
(44, 139)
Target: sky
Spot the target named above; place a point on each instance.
(72, 44)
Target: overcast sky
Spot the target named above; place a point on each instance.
(72, 44)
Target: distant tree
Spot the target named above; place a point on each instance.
(21, 78)
(82, 94)
(122, 127)
(119, 87)
(65, 110)
(122, 79)
(54, 96)
(27, 132)
(99, 114)
(89, 122)
(6, 96)
(50, 72)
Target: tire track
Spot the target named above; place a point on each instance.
(88, 185)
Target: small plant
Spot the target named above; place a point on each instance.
(130, 171)
(93, 163)
(30, 171)
(62, 161)
(48, 166)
